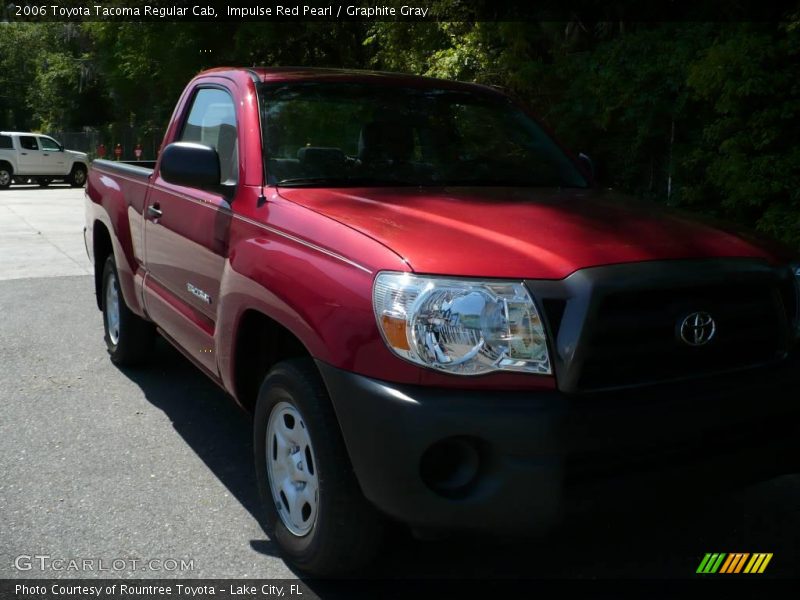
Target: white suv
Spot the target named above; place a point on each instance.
(30, 156)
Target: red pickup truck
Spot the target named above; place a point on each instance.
(432, 313)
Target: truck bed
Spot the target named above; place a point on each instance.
(137, 167)
(116, 185)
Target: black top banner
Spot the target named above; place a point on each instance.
(400, 10)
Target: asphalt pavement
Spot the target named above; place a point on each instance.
(152, 467)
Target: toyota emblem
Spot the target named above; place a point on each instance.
(697, 329)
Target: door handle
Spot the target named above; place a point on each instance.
(45, 155)
(154, 211)
(24, 153)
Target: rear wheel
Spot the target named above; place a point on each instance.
(77, 178)
(129, 338)
(314, 508)
(6, 174)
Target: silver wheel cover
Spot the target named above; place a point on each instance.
(292, 469)
(112, 309)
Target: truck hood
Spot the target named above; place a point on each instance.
(522, 232)
(76, 154)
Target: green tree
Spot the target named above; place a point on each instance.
(47, 78)
(746, 164)
(701, 115)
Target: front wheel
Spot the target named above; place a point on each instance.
(314, 508)
(129, 338)
(77, 177)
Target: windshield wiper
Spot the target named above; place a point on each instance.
(502, 183)
(341, 181)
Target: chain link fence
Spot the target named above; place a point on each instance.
(128, 138)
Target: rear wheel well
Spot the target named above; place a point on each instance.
(261, 342)
(101, 249)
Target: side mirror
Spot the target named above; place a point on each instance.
(587, 164)
(190, 164)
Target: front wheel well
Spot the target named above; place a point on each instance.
(261, 342)
(7, 164)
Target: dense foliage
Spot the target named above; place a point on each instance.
(701, 115)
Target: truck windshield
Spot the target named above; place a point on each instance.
(356, 134)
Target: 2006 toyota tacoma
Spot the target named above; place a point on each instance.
(432, 312)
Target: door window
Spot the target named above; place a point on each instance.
(28, 142)
(212, 122)
(5, 142)
(49, 144)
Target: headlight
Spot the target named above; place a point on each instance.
(463, 327)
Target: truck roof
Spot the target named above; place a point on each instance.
(289, 73)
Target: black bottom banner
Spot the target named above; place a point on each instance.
(311, 589)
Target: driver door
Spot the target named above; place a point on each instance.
(53, 160)
(187, 233)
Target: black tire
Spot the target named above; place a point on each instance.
(77, 178)
(6, 175)
(347, 530)
(131, 342)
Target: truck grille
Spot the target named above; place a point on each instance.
(632, 338)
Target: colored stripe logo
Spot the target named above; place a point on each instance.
(737, 562)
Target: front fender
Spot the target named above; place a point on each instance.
(322, 299)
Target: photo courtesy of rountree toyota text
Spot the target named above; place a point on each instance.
(356, 299)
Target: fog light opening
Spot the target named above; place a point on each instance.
(451, 466)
